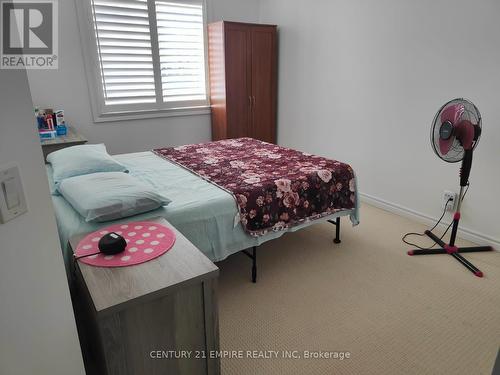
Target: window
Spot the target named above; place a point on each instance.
(150, 57)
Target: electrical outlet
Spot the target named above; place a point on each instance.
(449, 195)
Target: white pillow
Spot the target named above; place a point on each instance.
(80, 160)
(107, 196)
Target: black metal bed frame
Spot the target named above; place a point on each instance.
(253, 254)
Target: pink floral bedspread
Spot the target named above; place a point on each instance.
(275, 187)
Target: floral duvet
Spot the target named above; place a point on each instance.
(275, 187)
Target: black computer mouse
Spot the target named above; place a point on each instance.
(112, 243)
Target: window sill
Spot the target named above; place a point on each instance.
(149, 114)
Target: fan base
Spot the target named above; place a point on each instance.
(453, 251)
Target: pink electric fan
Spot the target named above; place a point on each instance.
(455, 133)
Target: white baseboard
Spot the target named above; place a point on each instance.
(465, 233)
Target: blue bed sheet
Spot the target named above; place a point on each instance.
(203, 212)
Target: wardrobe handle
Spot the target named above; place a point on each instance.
(253, 97)
(250, 100)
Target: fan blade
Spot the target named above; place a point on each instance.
(453, 114)
(446, 144)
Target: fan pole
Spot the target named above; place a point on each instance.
(456, 218)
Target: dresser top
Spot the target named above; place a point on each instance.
(72, 136)
(114, 289)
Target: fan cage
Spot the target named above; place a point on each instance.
(456, 152)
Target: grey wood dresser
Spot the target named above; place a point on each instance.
(143, 319)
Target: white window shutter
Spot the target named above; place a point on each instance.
(125, 54)
(181, 48)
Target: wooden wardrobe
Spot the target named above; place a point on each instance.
(243, 80)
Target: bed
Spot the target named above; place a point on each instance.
(205, 213)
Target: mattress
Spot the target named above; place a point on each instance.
(204, 213)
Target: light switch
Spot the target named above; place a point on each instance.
(11, 194)
(12, 199)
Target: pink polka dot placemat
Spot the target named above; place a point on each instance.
(146, 240)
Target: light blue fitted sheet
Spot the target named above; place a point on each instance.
(201, 211)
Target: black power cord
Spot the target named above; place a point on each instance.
(434, 227)
(75, 258)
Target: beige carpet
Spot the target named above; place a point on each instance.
(395, 314)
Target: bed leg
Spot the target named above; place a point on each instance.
(337, 231)
(336, 222)
(253, 256)
(254, 264)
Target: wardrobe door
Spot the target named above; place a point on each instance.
(237, 50)
(263, 56)
(216, 60)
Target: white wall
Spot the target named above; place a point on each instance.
(37, 327)
(66, 88)
(361, 81)
(233, 10)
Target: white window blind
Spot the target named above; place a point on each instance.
(151, 53)
(182, 60)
